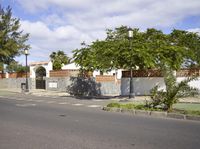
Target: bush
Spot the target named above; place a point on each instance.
(174, 91)
(128, 106)
(116, 105)
(140, 107)
(156, 98)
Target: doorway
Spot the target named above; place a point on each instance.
(40, 78)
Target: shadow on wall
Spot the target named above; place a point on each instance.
(81, 86)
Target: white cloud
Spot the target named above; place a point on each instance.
(64, 24)
(195, 30)
(44, 40)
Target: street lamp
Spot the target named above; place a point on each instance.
(131, 91)
(26, 55)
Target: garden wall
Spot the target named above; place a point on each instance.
(14, 83)
(143, 85)
(101, 85)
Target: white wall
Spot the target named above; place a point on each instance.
(143, 85)
(33, 69)
(71, 66)
(118, 73)
(194, 83)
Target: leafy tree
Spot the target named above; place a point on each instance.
(191, 43)
(12, 39)
(16, 67)
(59, 58)
(149, 49)
(1, 67)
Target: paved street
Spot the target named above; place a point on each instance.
(29, 122)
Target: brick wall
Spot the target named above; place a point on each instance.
(18, 75)
(2, 75)
(142, 73)
(188, 72)
(100, 78)
(157, 73)
(64, 73)
(14, 75)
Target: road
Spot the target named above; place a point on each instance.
(28, 122)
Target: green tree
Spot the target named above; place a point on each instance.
(1, 67)
(16, 67)
(12, 39)
(190, 42)
(59, 58)
(149, 49)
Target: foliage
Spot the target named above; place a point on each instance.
(149, 49)
(114, 104)
(131, 106)
(191, 43)
(174, 90)
(134, 106)
(12, 39)
(59, 58)
(16, 67)
(1, 67)
(156, 97)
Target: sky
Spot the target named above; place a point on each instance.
(64, 24)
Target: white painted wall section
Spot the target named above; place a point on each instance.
(71, 66)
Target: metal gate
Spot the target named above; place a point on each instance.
(40, 78)
(40, 83)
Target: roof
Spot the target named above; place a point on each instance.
(39, 63)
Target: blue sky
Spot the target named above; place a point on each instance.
(63, 24)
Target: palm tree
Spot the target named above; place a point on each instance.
(58, 58)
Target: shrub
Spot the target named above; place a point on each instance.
(127, 106)
(116, 105)
(140, 107)
(174, 91)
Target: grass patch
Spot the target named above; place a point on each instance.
(130, 106)
(187, 106)
(181, 108)
(186, 112)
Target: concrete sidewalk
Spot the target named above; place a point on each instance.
(39, 92)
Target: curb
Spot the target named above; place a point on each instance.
(176, 116)
(157, 114)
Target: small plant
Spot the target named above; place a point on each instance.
(116, 105)
(128, 106)
(156, 98)
(174, 91)
(140, 107)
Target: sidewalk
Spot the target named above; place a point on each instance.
(40, 92)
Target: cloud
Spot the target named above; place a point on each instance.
(44, 40)
(155, 11)
(64, 24)
(195, 30)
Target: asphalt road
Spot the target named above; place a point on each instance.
(28, 122)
